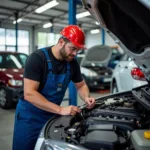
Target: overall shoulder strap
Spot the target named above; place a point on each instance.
(47, 58)
(68, 69)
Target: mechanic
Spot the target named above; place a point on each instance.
(47, 74)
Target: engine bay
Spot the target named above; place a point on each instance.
(109, 125)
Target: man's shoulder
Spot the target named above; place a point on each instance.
(39, 52)
(74, 63)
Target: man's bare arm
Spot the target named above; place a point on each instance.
(32, 95)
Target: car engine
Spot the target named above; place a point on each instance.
(117, 122)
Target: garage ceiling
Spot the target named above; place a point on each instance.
(57, 14)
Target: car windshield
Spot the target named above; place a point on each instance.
(12, 61)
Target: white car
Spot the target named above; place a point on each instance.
(126, 76)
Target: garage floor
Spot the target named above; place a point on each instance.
(7, 123)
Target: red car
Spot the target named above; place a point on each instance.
(11, 77)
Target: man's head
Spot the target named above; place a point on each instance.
(72, 40)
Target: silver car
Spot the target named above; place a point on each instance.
(94, 67)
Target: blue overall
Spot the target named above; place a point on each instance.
(29, 119)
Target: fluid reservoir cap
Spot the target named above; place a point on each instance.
(147, 134)
(72, 131)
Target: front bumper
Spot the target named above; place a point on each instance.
(98, 82)
(13, 93)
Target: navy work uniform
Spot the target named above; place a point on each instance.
(29, 119)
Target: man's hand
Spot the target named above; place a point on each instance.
(70, 110)
(90, 101)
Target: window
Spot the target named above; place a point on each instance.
(51, 39)
(47, 39)
(42, 39)
(23, 49)
(2, 36)
(8, 40)
(10, 37)
(57, 36)
(10, 48)
(23, 42)
(12, 61)
(2, 48)
(22, 58)
(1, 58)
(23, 37)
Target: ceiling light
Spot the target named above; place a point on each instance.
(84, 14)
(95, 31)
(19, 20)
(46, 6)
(47, 25)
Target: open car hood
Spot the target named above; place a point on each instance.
(128, 23)
(98, 55)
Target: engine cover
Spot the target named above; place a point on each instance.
(102, 139)
(109, 125)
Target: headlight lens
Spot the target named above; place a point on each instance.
(92, 74)
(59, 145)
(13, 82)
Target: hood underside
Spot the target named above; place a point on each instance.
(98, 55)
(128, 23)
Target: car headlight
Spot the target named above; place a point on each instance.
(13, 82)
(58, 145)
(88, 72)
(92, 74)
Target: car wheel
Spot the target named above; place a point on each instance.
(4, 100)
(114, 88)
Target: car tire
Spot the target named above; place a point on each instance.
(5, 101)
(114, 88)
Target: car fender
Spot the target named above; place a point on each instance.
(116, 78)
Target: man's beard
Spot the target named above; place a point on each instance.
(64, 55)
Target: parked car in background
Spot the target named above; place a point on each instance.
(11, 76)
(94, 67)
(126, 76)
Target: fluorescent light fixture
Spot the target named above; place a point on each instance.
(46, 6)
(83, 14)
(97, 23)
(47, 25)
(19, 20)
(95, 31)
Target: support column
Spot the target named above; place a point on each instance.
(72, 20)
(103, 36)
(52, 27)
(16, 29)
(33, 40)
